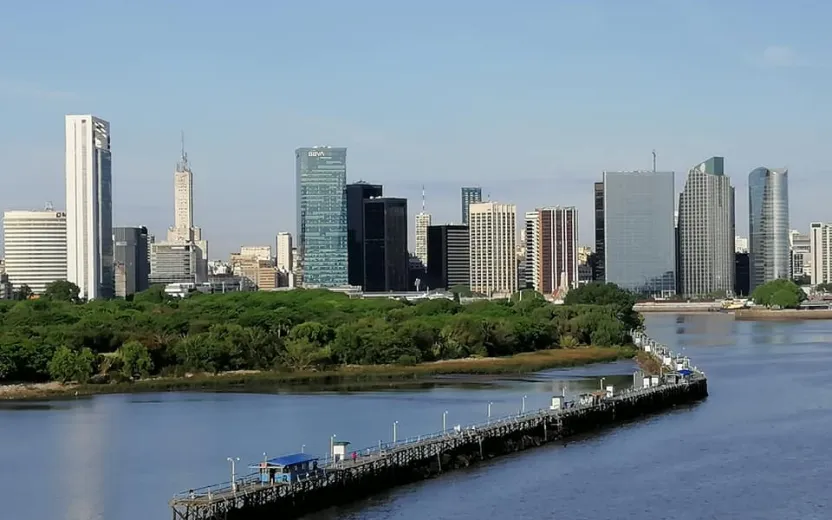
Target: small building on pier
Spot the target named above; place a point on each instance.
(287, 469)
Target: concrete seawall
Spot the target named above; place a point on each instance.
(340, 481)
(783, 314)
(677, 307)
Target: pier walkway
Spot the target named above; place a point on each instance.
(341, 479)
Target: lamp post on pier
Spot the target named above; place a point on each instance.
(602, 383)
(332, 448)
(395, 426)
(523, 408)
(303, 448)
(444, 417)
(233, 462)
(489, 411)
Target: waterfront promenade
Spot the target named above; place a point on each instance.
(386, 465)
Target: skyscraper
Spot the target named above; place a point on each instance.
(321, 180)
(820, 240)
(639, 233)
(422, 223)
(357, 193)
(557, 249)
(284, 251)
(386, 262)
(449, 253)
(89, 206)
(706, 231)
(470, 195)
(768, 225)
(493, 257)
(183, 230)
(532, 243)
(599, 257)
(132, 268)
(35, 247)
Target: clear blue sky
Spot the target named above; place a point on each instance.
(531, 100)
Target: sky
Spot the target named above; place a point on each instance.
(531, 99)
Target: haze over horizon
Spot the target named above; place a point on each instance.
(532, 102)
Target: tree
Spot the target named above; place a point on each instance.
(780, 293)
(62, 290)
(69, 365)
(599, 293)
(135, 360)
(24, 292)
(824, 288)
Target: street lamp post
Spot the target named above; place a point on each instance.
(489, 411)
(602, 383)
(523, 409)
(332, 448)
(303, 448)
(444, 417)
(233, 472)
(395, 425)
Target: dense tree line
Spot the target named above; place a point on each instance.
(783, 294)
(59, 337)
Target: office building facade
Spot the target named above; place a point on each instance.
(801, 254)
(598, 259)
(321, 180)
(89, 206)
(492, 230)
(531, 239)
(357, 193)
(639, 232)
(423, 221)
(557, 250)
(820, 245)
(386, 261)
(449, 256)
(35, 248)
(132, 268)
(470, 195)
(283, 254)
(706, 231)
(768, 225)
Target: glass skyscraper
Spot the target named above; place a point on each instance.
(768, 225)
(639, 232)
(321, 180)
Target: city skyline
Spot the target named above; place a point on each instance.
(467, 122)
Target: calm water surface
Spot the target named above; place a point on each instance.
(755, 449)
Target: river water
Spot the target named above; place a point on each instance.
(756, 448)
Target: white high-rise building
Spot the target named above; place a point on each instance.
(35, 244)
(422, 223)
(284, 252)
(183, 231)
(820, 245)
(706, 231)
(89, 206)
(740, 244)
(532, 241)
(492, 230)
(257, 252)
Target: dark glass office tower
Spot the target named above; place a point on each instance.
(449, 256)
(386, 262)
(470, 195)
(132, 267)
(357, 193)
(768, 225)
(598, 259)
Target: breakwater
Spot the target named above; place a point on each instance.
(297, 484)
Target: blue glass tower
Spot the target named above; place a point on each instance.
(321, 180)
(768, 225)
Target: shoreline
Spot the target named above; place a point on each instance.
(362, 376)
(783, 314)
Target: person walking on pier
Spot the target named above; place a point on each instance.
(354, 456)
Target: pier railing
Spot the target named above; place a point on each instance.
(251, 482)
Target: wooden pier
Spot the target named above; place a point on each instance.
(380, 468)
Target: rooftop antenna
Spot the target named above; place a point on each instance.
(654, 160)
(183, 161)
(423, 198)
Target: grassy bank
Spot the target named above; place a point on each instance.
(359, 376)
